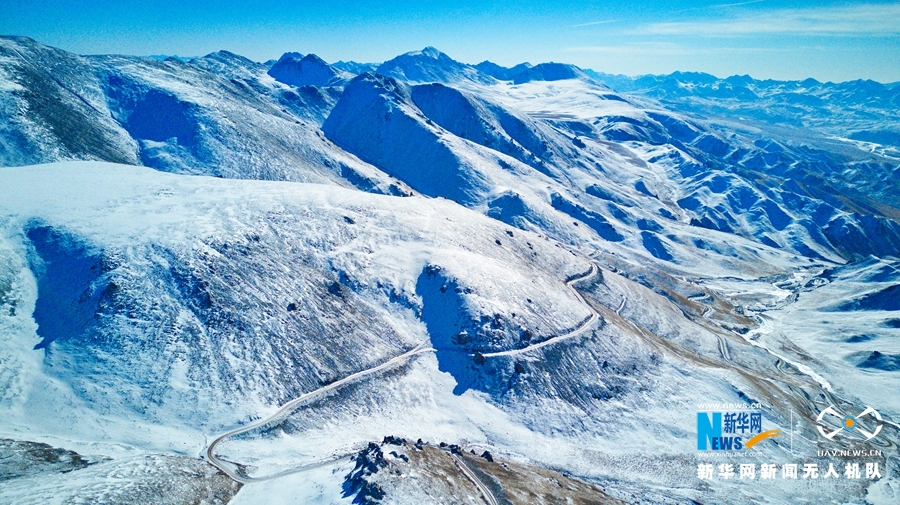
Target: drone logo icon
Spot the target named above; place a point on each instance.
(849, 423)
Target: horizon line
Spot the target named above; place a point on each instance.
(158, 56)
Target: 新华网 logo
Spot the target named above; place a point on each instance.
(849, 423)
(731, 431)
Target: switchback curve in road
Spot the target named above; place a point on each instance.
(210, 450)
(574, 333)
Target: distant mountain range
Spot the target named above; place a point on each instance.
(865, 110)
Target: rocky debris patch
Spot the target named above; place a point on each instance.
(359, 483)
(400, 472)
(20, 459)
(33, 472)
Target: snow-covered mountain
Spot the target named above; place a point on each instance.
(354, 67)
(431, 65)
(219, 115)
(500, 72)
(309, 70)
(525, 72)
(187, 246)
(861, 110)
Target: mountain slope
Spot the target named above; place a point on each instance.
(55, 109)
(191, 118)
(199, 312)
(198, 320)
(219, 115)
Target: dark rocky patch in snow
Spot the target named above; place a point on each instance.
(27, 459)
(876, 360)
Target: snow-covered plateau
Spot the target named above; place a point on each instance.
(423, 281)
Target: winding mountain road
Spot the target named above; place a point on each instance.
(210, 451)
(286, 408)
(485, 492)
(622, 306)
(565, 336)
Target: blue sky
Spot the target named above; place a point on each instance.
(828, 40)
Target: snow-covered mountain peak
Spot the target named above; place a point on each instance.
(227, 56)
(291, 55)
(430, 51)
(525, 72)
(549, 72)
(431, 65)
(500, 72)
(309, 70)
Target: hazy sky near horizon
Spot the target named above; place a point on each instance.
(827, 40)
